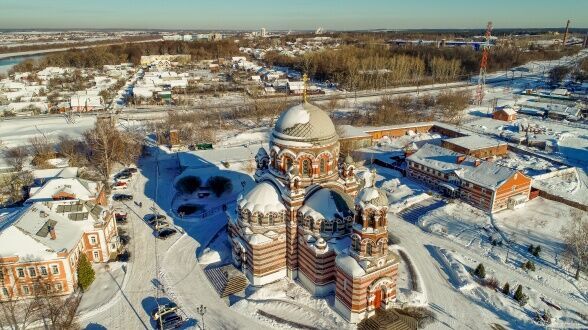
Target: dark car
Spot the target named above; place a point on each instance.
(170, 321)
(152, 217)
(124, 256)
(123, 175)
(130, 170)
(158, 224)
(162, 310)
(122, 197)
(166, 233)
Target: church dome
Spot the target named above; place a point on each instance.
(263, 198)
(372, 197)
(305, 123)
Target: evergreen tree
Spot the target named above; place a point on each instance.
(506, 289)
(85, 272)
(531, 248)
(480, 271)
(537, 250)
(519, 295)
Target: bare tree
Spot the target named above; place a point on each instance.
(41, 149)
(575, 236)
(107, 145)
(73, 150)
(16, 157)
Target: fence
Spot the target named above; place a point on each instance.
(562, 200)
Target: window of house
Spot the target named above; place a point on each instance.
(5, 292)
(32, 272)
(271, 219)
(58, 287)
(96, 255)
(368, 249)
(323, 165)
(43, 270)
(93, 240)
(356, 244)
(21, 272)
(334, 226)
(289, 163)
(54, 269)
(26, 290)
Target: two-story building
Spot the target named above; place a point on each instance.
(483, 184)
(41, 246)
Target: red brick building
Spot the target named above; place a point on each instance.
(476, 146)
(483, 184)
(505, 114)
(300, 217)
(43, 244)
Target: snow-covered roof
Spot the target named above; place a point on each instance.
(349, 265)
(348, 131)
(29, 238)
(488, 175)
(82, 189)
(263, 198)
(372, 197)
(206, 158)
(327, 204)
(50, 173)
(305, 122)
(508, 110)
(474, 142)
(439, 158)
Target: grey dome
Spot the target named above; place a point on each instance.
(372, 197)
(305, 123)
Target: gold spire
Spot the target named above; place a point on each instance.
(304, 95)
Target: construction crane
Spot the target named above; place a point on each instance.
(566, 33)
(483, 65)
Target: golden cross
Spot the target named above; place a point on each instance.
(305, 80)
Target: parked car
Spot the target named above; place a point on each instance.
(122, 197)
(119, 185)
(166, 233)
(131, 170)
(124, 256)
(151, 217)
(161, 310)
(158, 224)
(120, 217)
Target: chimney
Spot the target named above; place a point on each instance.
(460, 159)
(477, 162)
(52, 232)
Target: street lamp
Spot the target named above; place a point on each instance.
(201, 310)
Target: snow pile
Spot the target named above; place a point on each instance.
(458, 274)
(288, 301)
(209, 257)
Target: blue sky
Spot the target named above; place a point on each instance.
(290, 14)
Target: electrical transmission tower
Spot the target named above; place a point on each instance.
(483, 65)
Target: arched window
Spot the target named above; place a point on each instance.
(287, 163)
(306, 167)
(271, 219)
(259, 218)
(372, 220)
(334, 226)
(368, 249)
(322, 225)
(311, 224)
(356, 244)
(323, 166)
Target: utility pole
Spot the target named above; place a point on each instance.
(566, 33)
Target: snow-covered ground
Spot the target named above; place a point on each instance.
(464, 235)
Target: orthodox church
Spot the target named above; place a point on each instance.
(311, 218)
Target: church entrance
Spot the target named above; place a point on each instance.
(378, 299)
